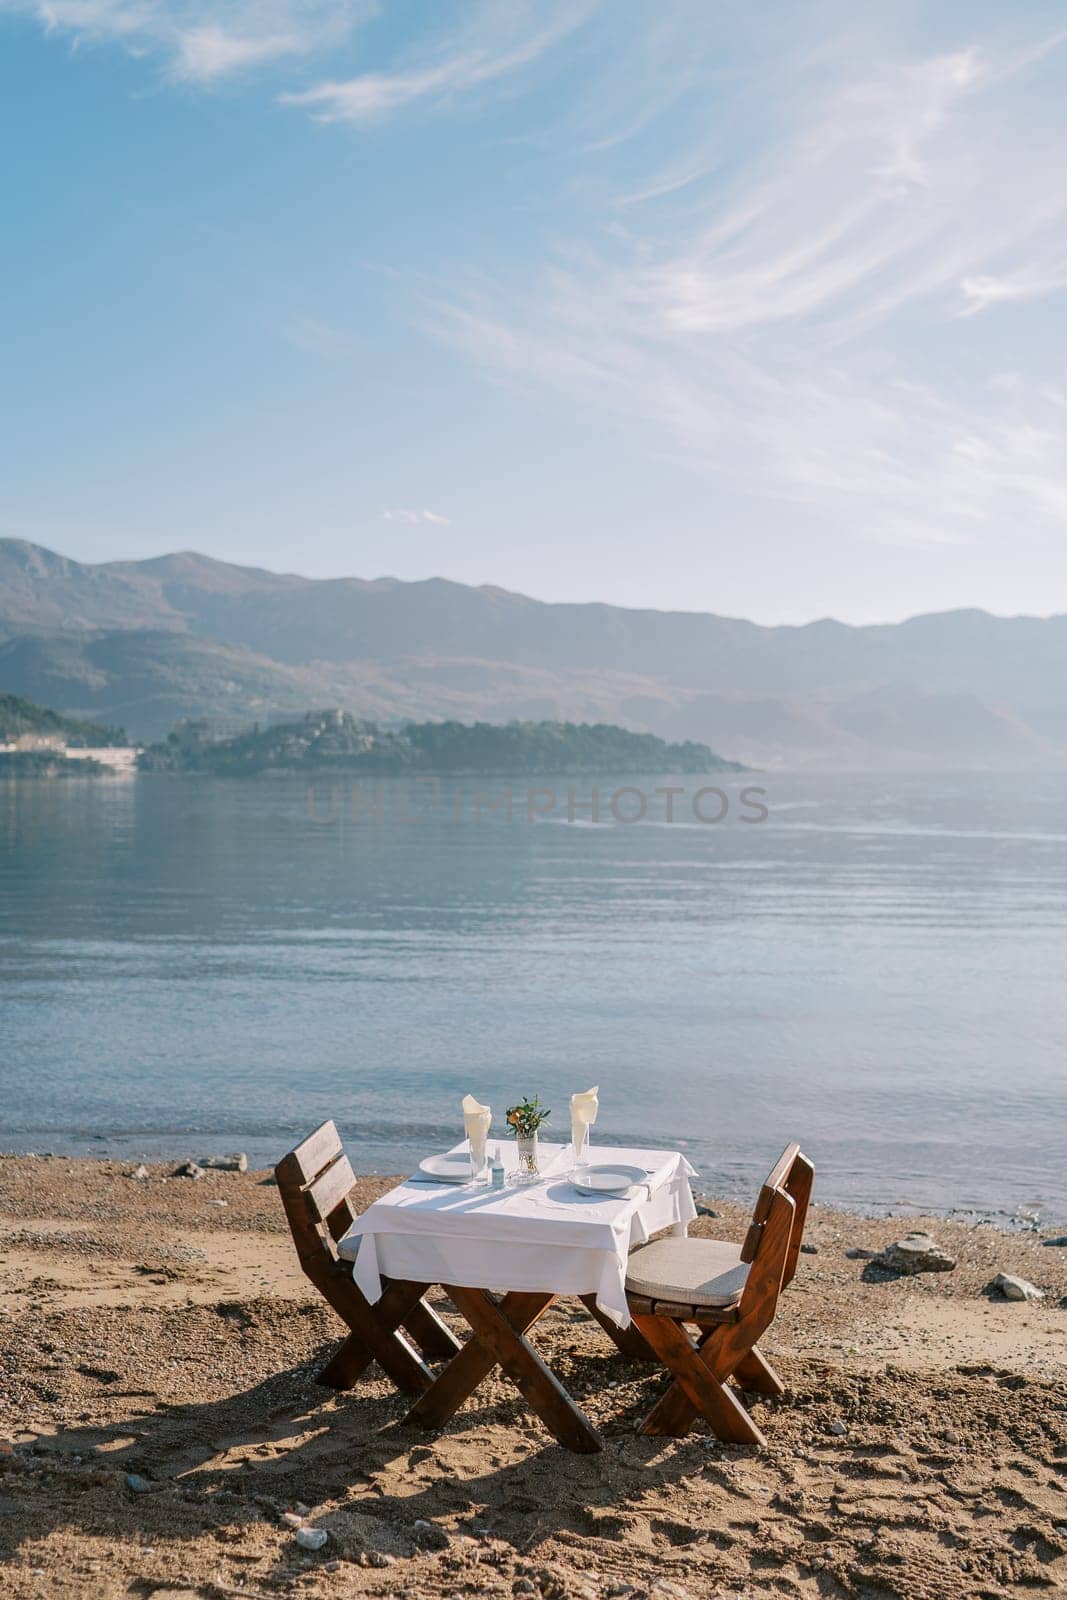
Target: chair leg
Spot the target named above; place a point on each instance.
(755, 1372)
(377, 1328)
(630, 1341)
(704, 1392)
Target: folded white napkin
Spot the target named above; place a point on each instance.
(477, 1120)
(584, 1108)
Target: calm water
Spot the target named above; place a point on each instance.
(878, 969)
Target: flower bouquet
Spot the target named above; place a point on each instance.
(526, 1119)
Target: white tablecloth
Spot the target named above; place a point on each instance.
(543, 1237)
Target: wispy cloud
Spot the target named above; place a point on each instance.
(202, 41)
(778, 324)
(405, 514)
(1027, 283)
(499, 40)
(779, 244)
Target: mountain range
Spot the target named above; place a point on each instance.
(148, 642)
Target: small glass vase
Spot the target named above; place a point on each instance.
(528, 1169)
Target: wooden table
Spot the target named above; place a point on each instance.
(502, 1259)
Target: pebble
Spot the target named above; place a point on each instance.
(140, 1173)
(1013, 1288)
(380, 1558)
(1059, 1242)
(292, 1519)
(808, 1250)
(188, 1169)
(218, 1202)
(138, 1484)
(862, 1255)
(916, 1252)
(311, 1538)
(525, 1586)
(838, 1428)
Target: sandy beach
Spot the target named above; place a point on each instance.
(162, 1433)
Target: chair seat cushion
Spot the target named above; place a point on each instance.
(696, 1272)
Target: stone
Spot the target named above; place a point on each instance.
(380, 1558)
(235, 1163)
(809, 1249)
(188, 1169)
(138, 1484)
(218, 1202)
(524, 1586)
(838, 1429)
(429, 1536)
(140, 1173)
(704, 1210)
(857, 1254)
(1013, 1288)
(916, 1252)
(311, 1538)
(1058, 1243)
(292, 1519)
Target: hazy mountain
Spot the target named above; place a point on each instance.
(146, 642)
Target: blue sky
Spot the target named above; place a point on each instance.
(756, 309)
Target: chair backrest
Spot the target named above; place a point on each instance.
(773, 1252)
(315, 1182)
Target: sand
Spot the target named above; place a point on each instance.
(150, 1329)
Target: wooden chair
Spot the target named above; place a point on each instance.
(730, 1295)
(315, 1182)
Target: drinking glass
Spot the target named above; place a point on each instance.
(580, 1141)
(479, 1160)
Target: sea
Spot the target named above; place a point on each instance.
(873, 965)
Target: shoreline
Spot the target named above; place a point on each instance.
(161, 1432)
(1028, 1217)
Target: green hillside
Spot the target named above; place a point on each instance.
(18, 717)
(333, 739)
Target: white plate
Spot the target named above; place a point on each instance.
(453, 1167)
(614, 1179)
